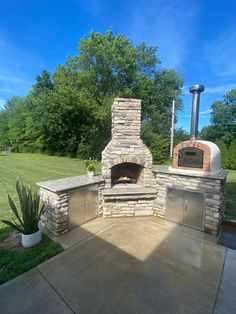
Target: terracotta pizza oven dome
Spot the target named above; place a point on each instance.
(197, 155)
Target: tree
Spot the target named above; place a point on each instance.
(17, 112)
(232, 155)
(224, 153)
(180, 135)
(43, 83)
(68, 112)
(223, 120)
(4, 141)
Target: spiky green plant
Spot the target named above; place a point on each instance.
(27, 218)
(90, 164)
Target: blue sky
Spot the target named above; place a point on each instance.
(197, 38)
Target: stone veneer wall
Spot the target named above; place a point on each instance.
(212, 187)
(128, 208)
(55, 217)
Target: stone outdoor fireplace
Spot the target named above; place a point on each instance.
(126, 157)
(127, 164)
(190, 192)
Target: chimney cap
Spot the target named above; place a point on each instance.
(197, 88)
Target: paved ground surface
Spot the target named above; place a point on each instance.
(228, 237)
(129, 266)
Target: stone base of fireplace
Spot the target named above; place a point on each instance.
(133, 200)
(128, 201)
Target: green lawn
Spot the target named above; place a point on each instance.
(15, 262)
(230, 208)
(31, 168)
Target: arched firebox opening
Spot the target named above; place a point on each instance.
(127, 173)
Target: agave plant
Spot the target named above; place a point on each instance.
(27, 218)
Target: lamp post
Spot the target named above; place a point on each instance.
(172, 128)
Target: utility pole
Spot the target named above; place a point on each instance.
(172, 128)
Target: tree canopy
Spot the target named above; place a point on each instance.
(68, 112)
(223, 120)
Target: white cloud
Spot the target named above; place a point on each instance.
(13, 79)
(202, 113)
(2, 103)
(221, 53)
(93, 7)
(16, 67)
(6, 90)
(220, 89)
(167, 24)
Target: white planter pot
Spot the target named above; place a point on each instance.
(29, 240)
(90, 173)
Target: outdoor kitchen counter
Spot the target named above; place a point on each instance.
(70, 183)
(192, 173)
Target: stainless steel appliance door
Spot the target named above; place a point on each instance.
(193, 209)
(174, 205)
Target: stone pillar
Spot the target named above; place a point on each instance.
(55, 217)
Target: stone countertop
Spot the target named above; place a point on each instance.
(191, 173)
(70, 183)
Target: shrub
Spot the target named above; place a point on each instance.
(224, 153)
(232, 155)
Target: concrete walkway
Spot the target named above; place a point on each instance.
(129, 266)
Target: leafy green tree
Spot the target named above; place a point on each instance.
(68, 112)
(223, 120)
(17, 111)
(4, 141)
(232, 155)
(180, 135)
(110, 66)
(224, 153)
(43, 83)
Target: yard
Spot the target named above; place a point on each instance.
(32, 168)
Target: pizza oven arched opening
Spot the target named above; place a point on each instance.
(127, 173)
(191, 157)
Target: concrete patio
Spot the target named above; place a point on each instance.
(143, 265)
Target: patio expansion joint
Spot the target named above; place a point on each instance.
(221, 276)
(54, 289)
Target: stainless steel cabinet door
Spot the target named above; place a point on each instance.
(193, 209)
(76, 208)
(185, 207)
(83, 205)
(91, 203)
(174, 205)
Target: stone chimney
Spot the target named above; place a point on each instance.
(126, 118)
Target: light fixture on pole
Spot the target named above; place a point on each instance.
(172, 128)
